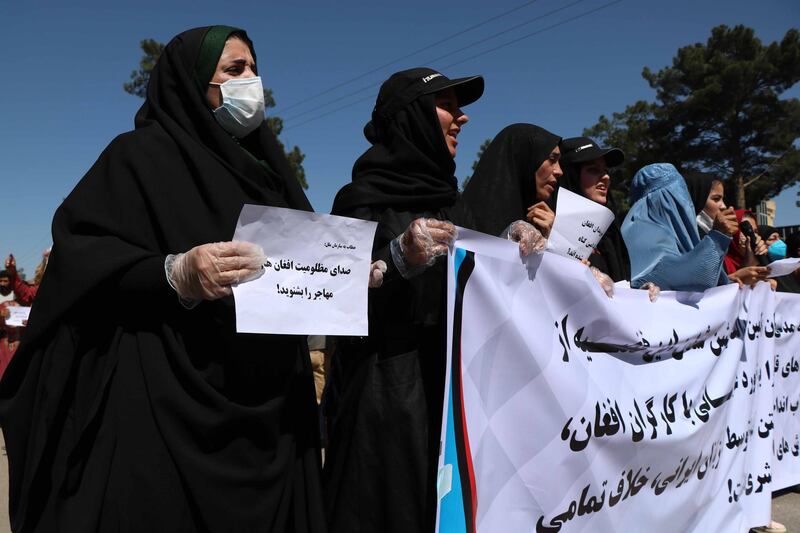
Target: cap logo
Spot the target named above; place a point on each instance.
(584, 147)
(426, 79)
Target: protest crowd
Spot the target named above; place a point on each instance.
(129, 402)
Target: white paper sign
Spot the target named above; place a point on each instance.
(316, 274)
(783, 266)
(579, 225)
(18, 314)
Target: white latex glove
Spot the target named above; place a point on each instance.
(376, 271)
(528, 236)
(425, 239)
(421, 243)
(208, 271)
(605, 282)
(652, 289)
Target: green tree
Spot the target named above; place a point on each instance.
(630, 131)
(151, 52)
(294, 156)
(718, 108)
(137, 86)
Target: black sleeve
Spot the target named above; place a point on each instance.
(146, 278)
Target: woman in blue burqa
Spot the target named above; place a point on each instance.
(661, 234)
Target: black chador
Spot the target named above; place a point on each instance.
(124, 411)
(386, 391)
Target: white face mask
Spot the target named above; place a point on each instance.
(705, 222)
(242, 109)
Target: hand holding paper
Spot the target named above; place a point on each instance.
(783, 266)
(316, 273)
(579, 225)
(18, 316)
(206, 272)
(750, 275)
(541, 216)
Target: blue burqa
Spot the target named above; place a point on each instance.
(661, 234)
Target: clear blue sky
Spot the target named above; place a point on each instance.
(65, 63)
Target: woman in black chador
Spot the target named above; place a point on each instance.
(387, 389)
(515, 179)
(518, 177)
(132, 408)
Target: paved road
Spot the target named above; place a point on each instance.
(785, 506)
(786, 510)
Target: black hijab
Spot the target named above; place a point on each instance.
(765, 231)
(408, 166)
(116, 389)
(699, 185)
(504, 184)
(611, 255)
(406, 174)
(791, 282)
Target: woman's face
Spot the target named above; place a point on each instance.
(547, 175)
(451, 118)
(714, 202)
(236, 61)
(594, 180)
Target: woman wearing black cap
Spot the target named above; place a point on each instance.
(586, 173)
(127, 409)
(518, 177)
(385, 395)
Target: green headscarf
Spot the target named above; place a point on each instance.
(211, 50)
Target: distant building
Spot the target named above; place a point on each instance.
(785, 231)
(766, 212)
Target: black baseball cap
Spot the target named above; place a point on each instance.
(583, 149)
(405, 86)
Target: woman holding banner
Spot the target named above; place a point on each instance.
(518, 177)
(514, 180)
(133, 403)
(385, 395)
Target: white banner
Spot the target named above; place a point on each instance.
(569, 411)
(786, 378)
